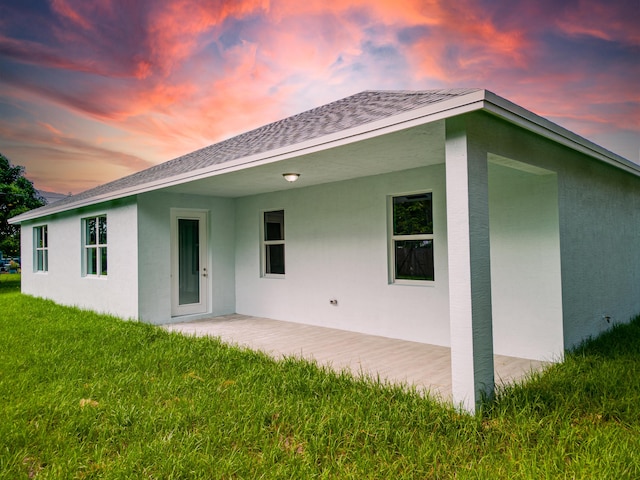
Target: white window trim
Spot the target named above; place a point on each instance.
(393, 238)
(98, 246)
(37, 249)
(264, 243)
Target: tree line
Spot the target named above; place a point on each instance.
(17, 195)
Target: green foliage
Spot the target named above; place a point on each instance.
(90, 396)
(17, 195)
(412, 215)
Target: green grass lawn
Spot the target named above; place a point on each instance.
(84, 395)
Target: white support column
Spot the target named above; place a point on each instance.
(469, 267)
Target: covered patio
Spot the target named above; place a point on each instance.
(423, 366)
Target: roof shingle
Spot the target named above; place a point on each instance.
(359, 109)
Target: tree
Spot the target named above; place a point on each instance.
(17, 195)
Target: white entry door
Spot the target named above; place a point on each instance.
(189, 275)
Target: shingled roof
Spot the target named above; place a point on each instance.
(353, 111)
(342, 115)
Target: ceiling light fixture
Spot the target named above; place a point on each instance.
(291, 177)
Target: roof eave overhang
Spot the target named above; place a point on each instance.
(517, 115)
(429, 113)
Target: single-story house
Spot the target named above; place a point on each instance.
(450, 217)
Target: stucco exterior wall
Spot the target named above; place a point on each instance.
(525, 263)
(117, 292)
(600, 241)
(154, 233)
(599, 227)
(336, 247)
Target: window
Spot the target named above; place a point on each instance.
(95, 245)
(273, 243)
(41, 249)
(412, 238)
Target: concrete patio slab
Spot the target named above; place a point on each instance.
(426, 367)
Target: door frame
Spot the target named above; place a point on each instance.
(203, 305)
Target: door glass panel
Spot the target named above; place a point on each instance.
(188, 261)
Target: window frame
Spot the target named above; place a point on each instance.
(99, 247)
(41, 232)
(264, 244)
(393, 238)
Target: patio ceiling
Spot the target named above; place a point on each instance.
(411, 148)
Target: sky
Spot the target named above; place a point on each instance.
(93, 90)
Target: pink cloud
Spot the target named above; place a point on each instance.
(63, 9)
(604, 20)
(61, 159)
(35, 53)
(466, 45)
(200, 117)
(166, 76)
(182, 28)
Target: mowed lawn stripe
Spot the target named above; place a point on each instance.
(84, 395)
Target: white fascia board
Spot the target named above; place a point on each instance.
(515, 114)
(427, 114)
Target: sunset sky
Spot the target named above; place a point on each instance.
(93, 90)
